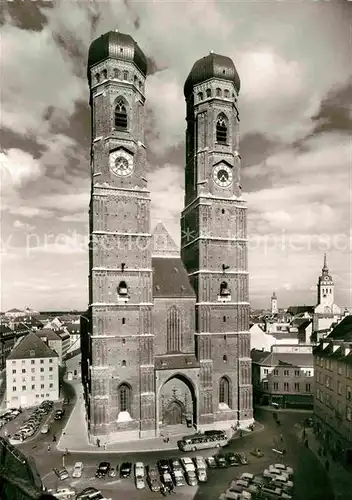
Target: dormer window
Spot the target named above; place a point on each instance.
(105, 74)
(97, 78)
(122, 290)
(135, 80)
(218, 92)
(116, 73)
(32, 353)
(208, 91)
(125, 75)
(226, 93)
(200, 96)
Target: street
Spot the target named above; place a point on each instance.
(311, 481)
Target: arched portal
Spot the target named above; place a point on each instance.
(177, 402)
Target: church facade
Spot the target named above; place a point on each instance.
(165, 341)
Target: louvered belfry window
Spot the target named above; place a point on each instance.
(221, 129)
(120, 114)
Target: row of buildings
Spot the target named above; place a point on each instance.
(33, 349)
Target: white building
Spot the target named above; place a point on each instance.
(32, 373)
(274, 308)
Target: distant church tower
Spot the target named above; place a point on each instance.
(274, 308)
(325, 287)
(121, 372)
(214, 240)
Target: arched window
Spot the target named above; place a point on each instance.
(224, 391)
(122, 290)
(123, 363)
(125, 394)
(140, 85)
(120, 114)
(123, 321)
(218, 92)
(200, 96)
(226, 93)
(135, 80)
(224, 289)
(105, 74)
(116, 73)
(173, 330)
(221, 129)
(224, 358)
(208, 91)
(224, 319)
(97, 77)
(125, 75)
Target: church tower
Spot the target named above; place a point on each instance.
(121, 372)
(214, 241)
(325, 287)
(274, 308)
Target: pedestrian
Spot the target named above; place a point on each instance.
(281, 438)
(54, 438)
(49, 448)
(162, 490)
(327, 465)
(105, 446)
(98, 443)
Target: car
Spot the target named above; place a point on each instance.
(140, 483)
(15, 412)
(188, 464)
(152, 471)
(125, 469)
(247, 476)
(103, 469)
(64, 493)
(257, 452)
(211, 462)
(285, 468)
(163, 466)
(220, 460)
(153, 483)
(61, 473)
(77, 469)
(88, 494)
(45, 429)
(199, 462)
(112, 472)
(231, 459)
(16, 438)
(202, 475)
(139, 469)
(191, 478)
(175, 464)
(178, 478)
(241, 457)
(166, 479)
(59, 414)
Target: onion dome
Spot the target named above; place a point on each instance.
(117, 46)
(212, 66)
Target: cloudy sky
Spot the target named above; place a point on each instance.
(294, 62)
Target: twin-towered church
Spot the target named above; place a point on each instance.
(167, 342)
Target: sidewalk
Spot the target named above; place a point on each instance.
(74, 437)
(283, 410)
(341, 479)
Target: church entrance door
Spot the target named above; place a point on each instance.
(173, 414)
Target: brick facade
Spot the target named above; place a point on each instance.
(155, 350)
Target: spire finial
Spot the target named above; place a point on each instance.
(325, 262)
(211, 52)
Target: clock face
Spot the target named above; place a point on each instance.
(121, 163)
(222, 175)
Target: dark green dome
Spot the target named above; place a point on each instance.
(212, 66)
(118, 46)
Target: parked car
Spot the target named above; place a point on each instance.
(211, 462)
(188, 464)
(241, 457)
(163, 466)
(61, 473)
(139, 469)
(191, 478)
(175, 464)
(178, 478)
(112, 472)
(153, 483)
(59, 414)
(166, 479)
(125, 469)
(140, 483)
(199, 462)
(257, 452)
(202, 475)
(103, 469)
(65, 493)
(231, 459)
(77, 469)
(220, 461)
(88, 493)
(45, 429)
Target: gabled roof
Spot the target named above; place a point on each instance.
(163, 243)
(31, 346)
(48, 334)
(170, 279)
(73, 328)
(4, 329)
(342, 331)
(222, 161)
(259, 356)
(289, 359)
(301, 323)
(14, 310)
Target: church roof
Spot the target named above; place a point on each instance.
(163, 243)
(31, 346)
(170, 279)
(118, 46)
(294, 310)
(343, 331)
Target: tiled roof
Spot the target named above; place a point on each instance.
(258, 356)
(48, 334)
(163, 243)
(4, 329)
(170, 279)
(73, 328)
(288, 359)
(301, 323)
(176, 362)
(342, 331)
(14, 310)
(31, 346)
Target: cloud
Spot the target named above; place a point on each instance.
(23, 226)
(18, 167)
